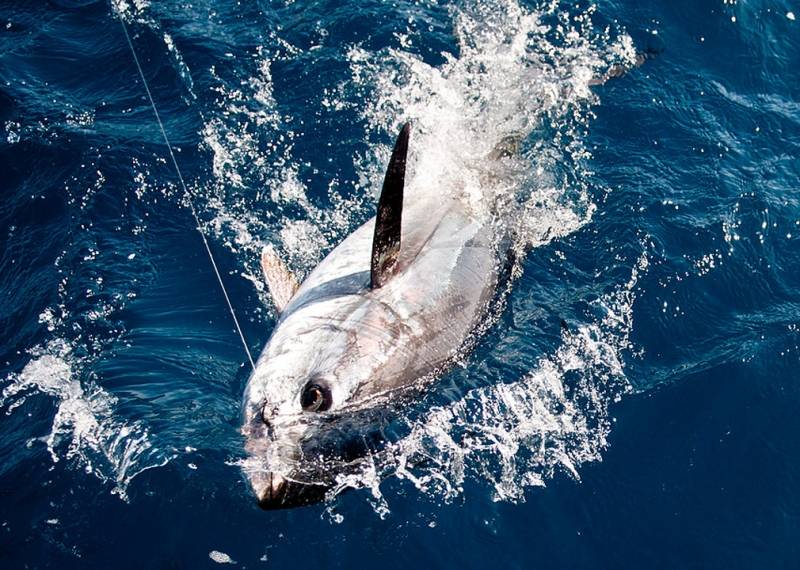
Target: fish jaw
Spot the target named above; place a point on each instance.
(273, 492)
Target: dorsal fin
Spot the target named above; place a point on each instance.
(388, 220)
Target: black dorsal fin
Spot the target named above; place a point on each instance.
(388, 221)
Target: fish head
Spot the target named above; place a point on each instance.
(310, 410)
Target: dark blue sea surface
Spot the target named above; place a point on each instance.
(657, 428)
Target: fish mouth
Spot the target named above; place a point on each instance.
(278, 492)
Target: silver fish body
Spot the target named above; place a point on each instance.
(361, 345)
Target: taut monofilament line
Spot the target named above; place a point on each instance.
(186, 192)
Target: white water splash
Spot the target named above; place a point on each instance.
(129, 10)
(519, 434)
(520, 75)
(85, 429)
(257, 196)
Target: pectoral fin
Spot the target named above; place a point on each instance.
(281, 282)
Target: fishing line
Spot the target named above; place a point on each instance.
(186, 192)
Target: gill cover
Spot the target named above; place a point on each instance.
(388, 220)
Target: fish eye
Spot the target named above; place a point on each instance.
(316, 397)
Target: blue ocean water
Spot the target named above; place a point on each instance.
(658, 429)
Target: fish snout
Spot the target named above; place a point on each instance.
(281, 493)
